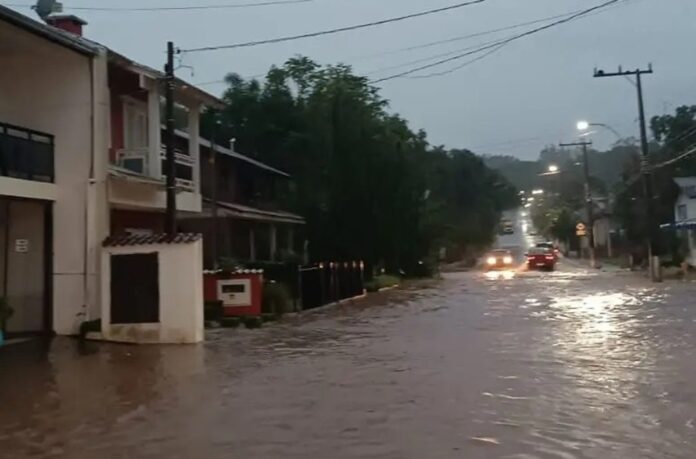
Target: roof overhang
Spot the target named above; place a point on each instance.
(60, 37)
(241, 212)
(121, 174)
(233, 154)
(185, 92)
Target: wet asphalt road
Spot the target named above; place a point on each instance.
(571, 364)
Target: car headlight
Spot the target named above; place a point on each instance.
(491, 260)
(507, 260)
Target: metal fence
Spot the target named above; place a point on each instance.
(316, 285)
(327, 283)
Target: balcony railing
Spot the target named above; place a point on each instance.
(137, 160)
(26, 154)
(184, 168)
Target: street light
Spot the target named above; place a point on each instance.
(585, 125)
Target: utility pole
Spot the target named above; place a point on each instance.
(170, 163)
(214, 192)
(653, 255)
(589, 208)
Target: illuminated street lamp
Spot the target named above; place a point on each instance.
(583, 126)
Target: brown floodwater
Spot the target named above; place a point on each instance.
(505, 365)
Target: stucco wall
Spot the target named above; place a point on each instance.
(180, 293)
(145, 196)
(49, 88)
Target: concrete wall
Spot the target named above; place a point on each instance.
(50, 88)
(145, 196)
(180, 292)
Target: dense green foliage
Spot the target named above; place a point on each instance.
(368, 185)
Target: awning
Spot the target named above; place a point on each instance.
(126, 175)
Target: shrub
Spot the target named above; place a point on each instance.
(213, 310)
(253, 322)
(229, 264)
(276, 298)
(89, 327)
(230, 322)
(269, 317)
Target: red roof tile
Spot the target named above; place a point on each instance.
(179, 238)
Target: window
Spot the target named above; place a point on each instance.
(135, 124)
(682, 213)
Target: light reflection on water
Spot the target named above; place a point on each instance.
(571, 365)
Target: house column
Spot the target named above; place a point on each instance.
(252, 243)
(194, 117)
(274, 241)
(154, 130)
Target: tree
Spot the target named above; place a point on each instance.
(369, 186)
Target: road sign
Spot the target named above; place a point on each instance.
(581, 229)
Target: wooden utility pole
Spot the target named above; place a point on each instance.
(589, 207)
(170, 163)
(653, 249)
(214, 192)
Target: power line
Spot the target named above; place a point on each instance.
(430, 58)
(472, 35)
(461, 66)
(460, 50)
(685, 135)
(502, 42)
(172, 8)
(334, 31)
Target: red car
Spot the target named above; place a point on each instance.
(551, 246)
(541, 258)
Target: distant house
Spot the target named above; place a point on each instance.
(685, 216)
(251, 225)
(80, 160)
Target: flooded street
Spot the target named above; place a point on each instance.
(564, 365)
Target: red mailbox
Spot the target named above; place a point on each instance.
(240, 292)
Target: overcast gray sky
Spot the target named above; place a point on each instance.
(514, 102)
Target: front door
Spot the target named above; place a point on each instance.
(23, 263)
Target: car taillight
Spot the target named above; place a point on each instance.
(549, 257)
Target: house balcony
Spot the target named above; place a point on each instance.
(138, 180)
(137, 161)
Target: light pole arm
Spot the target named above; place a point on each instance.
(606, 126)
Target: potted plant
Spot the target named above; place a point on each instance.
(5, 313)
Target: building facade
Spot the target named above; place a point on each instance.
(248, 224)
(80, 158)
(685, 216)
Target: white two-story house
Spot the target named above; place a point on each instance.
(81, 152)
